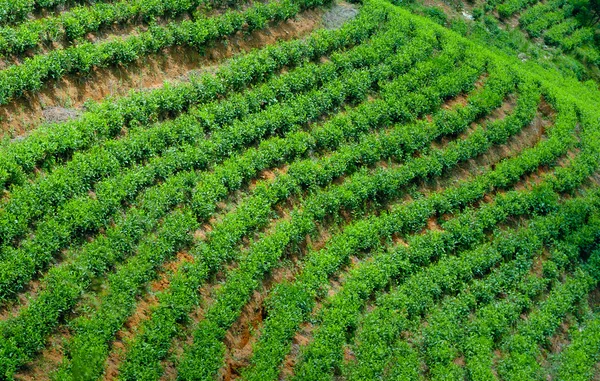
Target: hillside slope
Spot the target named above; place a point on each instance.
(562, 34)
(384, 199)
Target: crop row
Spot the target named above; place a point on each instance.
(577, 361)
(81, 59)
(77, 22)
(269, 153)
(540, 17)
(90, 332)
(263, 254)
(150, 169)
(84, 214)
(209, 190)
(452, 332)
(573, 174)
(569, 35)
(324, 353)
(12, 11)
(177, 301)
(116, 159)
(522, 347)
(49, 144)
(284, 311)
(209, 186)
(477, 349)
(399, 310)
(26, 333)
(72, 220)
(505, 174)
(552, 20)
(40, 197)
(506, 278)
(411, 217)
(510, 7)
(322, 357)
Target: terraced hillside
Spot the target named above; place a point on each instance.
(558, 34)
(558, 23)
(382, 199)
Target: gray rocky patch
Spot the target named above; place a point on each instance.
(59, 114)
(337, 15)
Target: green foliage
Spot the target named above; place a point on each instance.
(302, 111)
(107, 120)
(32, 74)
(588, 11)
(358, 133)
(576, 362)
(77, 22)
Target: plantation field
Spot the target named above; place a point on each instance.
(291, 189)
(561, 34)
(559, 23)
